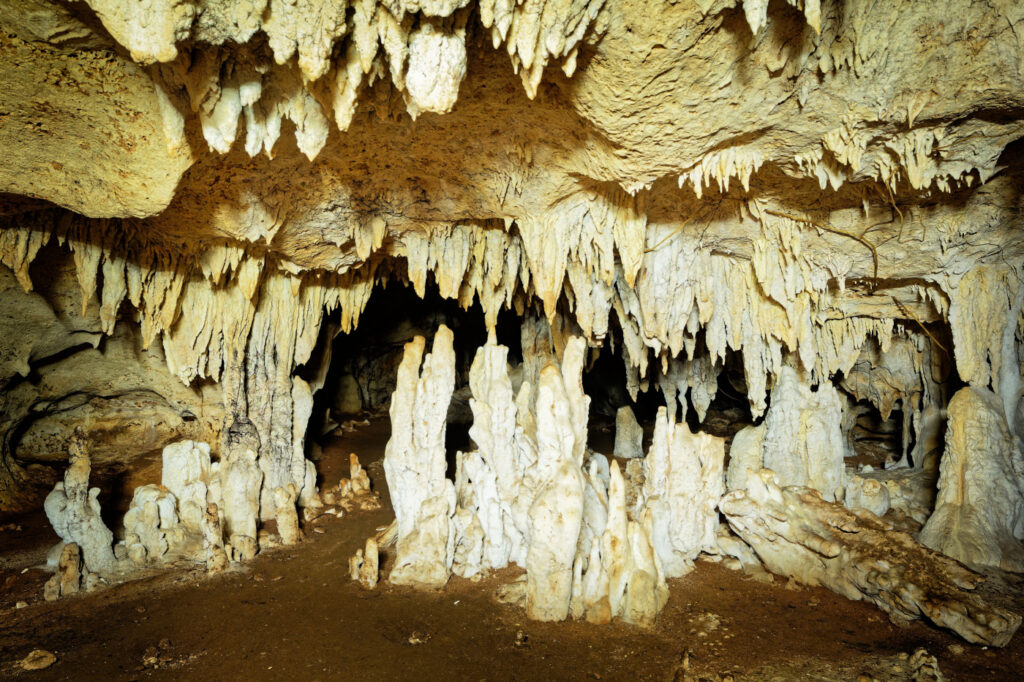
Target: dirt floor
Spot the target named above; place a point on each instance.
(293, 614)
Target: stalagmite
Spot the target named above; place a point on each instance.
(74, 512)
(468, 553)
(68, 578)
(556, 513)
(744, 456)
(151, 524)
(287, 517)
(186, 473)
(555, 518)
(630, 568)
(537, 501)
(800, 438)
(414, 463)
(357, 475)
(496, 470)
(355, 491)
(869, 494)
(628, 434)
(683, 481)
(369, 570)
(797, 533)
(213, 537)
(979, 513)
(240, 479)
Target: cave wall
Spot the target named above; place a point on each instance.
(64, 367)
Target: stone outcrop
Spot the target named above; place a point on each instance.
(797, 533)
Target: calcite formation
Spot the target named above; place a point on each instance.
(201, 512)
(979, 513)
(151, 518)
(801, 438)
(414, 463)
(67, 580)
(285, 515)
(629, 435)
(683, 482)
(810, 209)
(185, 473)
(73, 509)
(240, 482)
(532, 494)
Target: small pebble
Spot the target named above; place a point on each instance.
(39, 659)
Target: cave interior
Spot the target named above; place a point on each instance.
(546, 339)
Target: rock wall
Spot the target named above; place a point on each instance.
(61, 372)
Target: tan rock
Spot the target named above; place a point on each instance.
(38, 659)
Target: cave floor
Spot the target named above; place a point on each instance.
(294, 614)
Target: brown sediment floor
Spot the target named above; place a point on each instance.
(293, 614)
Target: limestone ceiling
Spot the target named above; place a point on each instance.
(162, 122)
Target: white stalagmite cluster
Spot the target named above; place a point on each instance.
(533, 495)
(202, 511)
